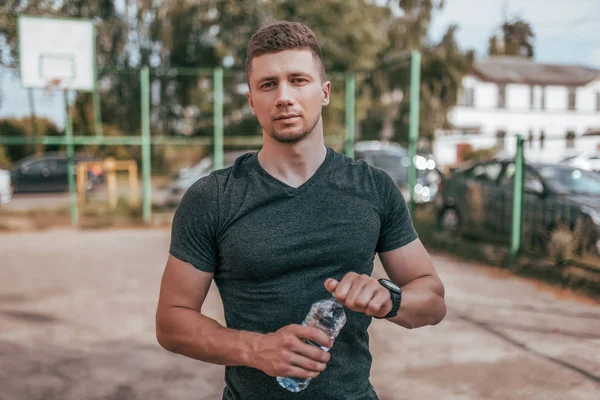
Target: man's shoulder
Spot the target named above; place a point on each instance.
(362, 168)
(220, 177)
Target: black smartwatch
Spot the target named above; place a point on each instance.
(395, 293)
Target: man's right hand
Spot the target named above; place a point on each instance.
(284, 353)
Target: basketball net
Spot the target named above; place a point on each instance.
(56, 84)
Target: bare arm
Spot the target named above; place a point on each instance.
(411, 268)
(181, 328)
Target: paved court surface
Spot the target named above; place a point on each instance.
(77, 322)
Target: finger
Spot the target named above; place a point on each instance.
(341, 292)
(367, 294)
(307, 363)
(380, 305)
(297, 372)
(356, 291)
(314, 335)
(309, 350)
(331, 285)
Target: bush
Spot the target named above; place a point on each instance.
(4, 160)
(561, 246)
(24, 127)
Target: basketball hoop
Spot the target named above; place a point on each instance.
(57, 53)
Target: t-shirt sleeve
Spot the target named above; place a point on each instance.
(397, 227)
(193, 233)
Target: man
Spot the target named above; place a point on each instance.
(283, 228)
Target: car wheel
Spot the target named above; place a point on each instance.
(449, 220)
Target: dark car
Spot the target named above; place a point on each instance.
(49, 173)
(478, 199)
(394, 159)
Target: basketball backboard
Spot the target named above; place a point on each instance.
(57, 50)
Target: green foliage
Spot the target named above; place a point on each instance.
(26, 127)
(517, 40)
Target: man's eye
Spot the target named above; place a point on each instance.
(267, 85)
(298, 80)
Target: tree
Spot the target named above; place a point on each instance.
(443, 66)
(516, 39)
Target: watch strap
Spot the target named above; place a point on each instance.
(396, 297)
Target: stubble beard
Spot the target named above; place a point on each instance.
(294, 138)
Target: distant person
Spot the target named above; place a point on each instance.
(283, 228)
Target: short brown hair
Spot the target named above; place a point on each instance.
(280, 36)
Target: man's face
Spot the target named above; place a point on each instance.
(286, 94)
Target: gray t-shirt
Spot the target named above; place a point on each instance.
(272, 246)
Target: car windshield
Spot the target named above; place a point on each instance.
(571, 180)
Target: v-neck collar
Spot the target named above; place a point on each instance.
(288, 188)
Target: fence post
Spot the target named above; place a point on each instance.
(146, 173)
(96, 94)
(71, 160)
(415, 98)
(218, 117)
(350, 115)
(517, 217)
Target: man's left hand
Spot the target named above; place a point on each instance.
(361, 293)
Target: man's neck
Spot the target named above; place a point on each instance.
(293, 163)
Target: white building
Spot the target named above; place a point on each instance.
(556, 108)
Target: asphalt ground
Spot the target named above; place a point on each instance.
(77, 322)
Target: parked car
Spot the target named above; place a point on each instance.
(394, 159)
(49, 173)
(6, 189)
(478, 199)
(589, 161)
(185, 177)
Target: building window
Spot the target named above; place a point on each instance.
(530, 139)
(598, 101)
(500, 135)
(531, 97)
(467, 97)
(501, 96)
(570, 139)
(572, 98)
(542, 138)
(543, 99)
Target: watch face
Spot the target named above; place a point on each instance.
(390, 285)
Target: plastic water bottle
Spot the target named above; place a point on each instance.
(327, 315)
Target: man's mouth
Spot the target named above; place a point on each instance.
(286, 117)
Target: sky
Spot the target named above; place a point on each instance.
(567, 31)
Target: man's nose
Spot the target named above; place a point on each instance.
(284, 95)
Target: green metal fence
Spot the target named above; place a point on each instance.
(140, 113)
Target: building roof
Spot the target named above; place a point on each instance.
(502, 69)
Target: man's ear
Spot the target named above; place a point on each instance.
(250, 103)
(326, 91)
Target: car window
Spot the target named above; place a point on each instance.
(571, 180)
(532, 183)
(393, 164)
(486, 172)
(34, 167)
